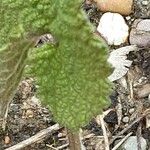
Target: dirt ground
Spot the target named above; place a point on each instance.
(27, 116)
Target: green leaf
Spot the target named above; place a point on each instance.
(20, 25)
(72, 75)
(12, 62)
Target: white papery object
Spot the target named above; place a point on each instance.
(118, 60)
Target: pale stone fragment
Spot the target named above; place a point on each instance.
(113, 28)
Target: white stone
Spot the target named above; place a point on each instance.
(140, 33)
(128, 18)
(125, 119)
(113, 28)
(144, 3)
(131, 143)
(131, 110)
(144, 25)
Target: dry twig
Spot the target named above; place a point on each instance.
(104, 133)
(120, 143)
(138, 134)
(127, 128)
(37, 137)
(58, 148)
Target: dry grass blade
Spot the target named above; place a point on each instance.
(104, 133)
(38, 137)
(120, 143)
(127, 128)
(58, 148)
(138, 133)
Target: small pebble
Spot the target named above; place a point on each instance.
(131, 103)
(131, 144)
(15, 116)
(7, 139)
(60, 135)
(125, 113)
(144, 25)
(126, 125)
(144, 3)
(140, 33)
(29, 113)
(131, 110)
(143, 91)
(45, 111)
(113, 28)
(128, 18)
(125, 119)
(118, 6)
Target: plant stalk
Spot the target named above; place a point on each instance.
(74, 140)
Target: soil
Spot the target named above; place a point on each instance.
(27, 116)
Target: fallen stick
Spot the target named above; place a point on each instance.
(139, 135)
(104, 133)
(37, 137)
(63, 146)
(126, 129)
(122, 141)
(58, 148)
